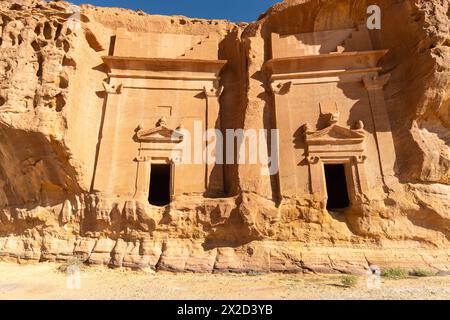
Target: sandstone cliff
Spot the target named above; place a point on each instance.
(51, 107)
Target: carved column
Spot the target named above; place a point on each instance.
(362, 187)
(174, 192)
(142, 177)
(317, 177)
(287, 167)
(105, 166)
(382, 127)
(214, 171)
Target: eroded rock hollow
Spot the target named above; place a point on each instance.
(95, 104)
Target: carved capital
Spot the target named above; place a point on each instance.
(178, 159)
(360, 159)
(376, 82)
(142, 158)
(313, 159)
(112, 89)
(212, 91)
(281, 87)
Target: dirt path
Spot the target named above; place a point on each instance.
(44, 281)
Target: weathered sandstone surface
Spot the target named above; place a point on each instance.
(51, 107)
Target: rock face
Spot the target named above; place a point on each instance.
(69, 113)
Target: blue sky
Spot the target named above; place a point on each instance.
(234, 10)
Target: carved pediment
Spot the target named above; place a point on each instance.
(334, 134)
(160, 134)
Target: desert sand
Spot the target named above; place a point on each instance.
(45, 281)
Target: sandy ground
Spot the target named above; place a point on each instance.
(44, 281)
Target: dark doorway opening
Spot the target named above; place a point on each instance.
(159, 194)
(336, 186)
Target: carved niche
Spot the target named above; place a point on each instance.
(159, 145)
(336, 144)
